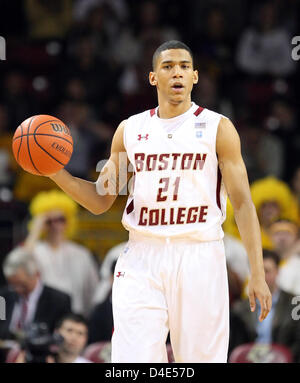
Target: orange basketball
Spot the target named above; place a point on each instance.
(42, 145)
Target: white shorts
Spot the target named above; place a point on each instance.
(176, 285)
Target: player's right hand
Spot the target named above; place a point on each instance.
(259, 289)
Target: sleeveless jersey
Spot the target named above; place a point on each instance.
(177, 189)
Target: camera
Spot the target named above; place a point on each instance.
(38, 343)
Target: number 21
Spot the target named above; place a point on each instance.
(166, 181)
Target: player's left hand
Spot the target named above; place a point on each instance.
(259, 289)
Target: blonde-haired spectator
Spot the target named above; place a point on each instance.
(64, 264)
(273, 200)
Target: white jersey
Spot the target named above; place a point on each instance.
(177, 189)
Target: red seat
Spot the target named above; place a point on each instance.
(12, 355)
(261, 353)
(100, 352)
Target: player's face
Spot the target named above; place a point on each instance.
(174, 75)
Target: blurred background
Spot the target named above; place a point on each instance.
(87, 62)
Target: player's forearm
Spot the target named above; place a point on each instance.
(248, 225)
(83, 192)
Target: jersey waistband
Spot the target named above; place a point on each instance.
(138, 237)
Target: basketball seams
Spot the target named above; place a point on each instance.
(20, 143)
(45, 122)
(37, 150)
(43, 134)
(28, 148)
(50, 155)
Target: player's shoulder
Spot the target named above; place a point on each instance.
(212, 114)
(146, 114)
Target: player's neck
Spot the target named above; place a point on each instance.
(170, 110)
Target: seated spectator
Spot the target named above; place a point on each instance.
(74, 331)
(279, 326)
(64, 264)
(28, 299)
(285, 237)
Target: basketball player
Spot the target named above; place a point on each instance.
(172, 273)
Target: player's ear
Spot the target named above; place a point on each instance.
(195, 77)
(152, 78)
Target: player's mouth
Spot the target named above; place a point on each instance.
(177, 87)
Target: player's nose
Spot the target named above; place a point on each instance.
(177, 71)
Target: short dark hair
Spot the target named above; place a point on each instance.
(268, 254)
(78, 318)
(171, 44)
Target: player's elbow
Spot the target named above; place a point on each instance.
(100, 206)
(97, 210)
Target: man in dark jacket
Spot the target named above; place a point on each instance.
(279, 327)
(27, 299)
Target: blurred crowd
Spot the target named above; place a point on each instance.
(87, 62)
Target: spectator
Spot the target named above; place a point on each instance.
(282, 122)
(28, 299)
(285, 237)
(81, 8)
(273, 200)
(279, 326)
(73, 328)
(263, 152)
(265, 49)
(64, 264)
(16, 97)
(88, 134)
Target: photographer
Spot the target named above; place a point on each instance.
(73, 331)
(73, 328)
